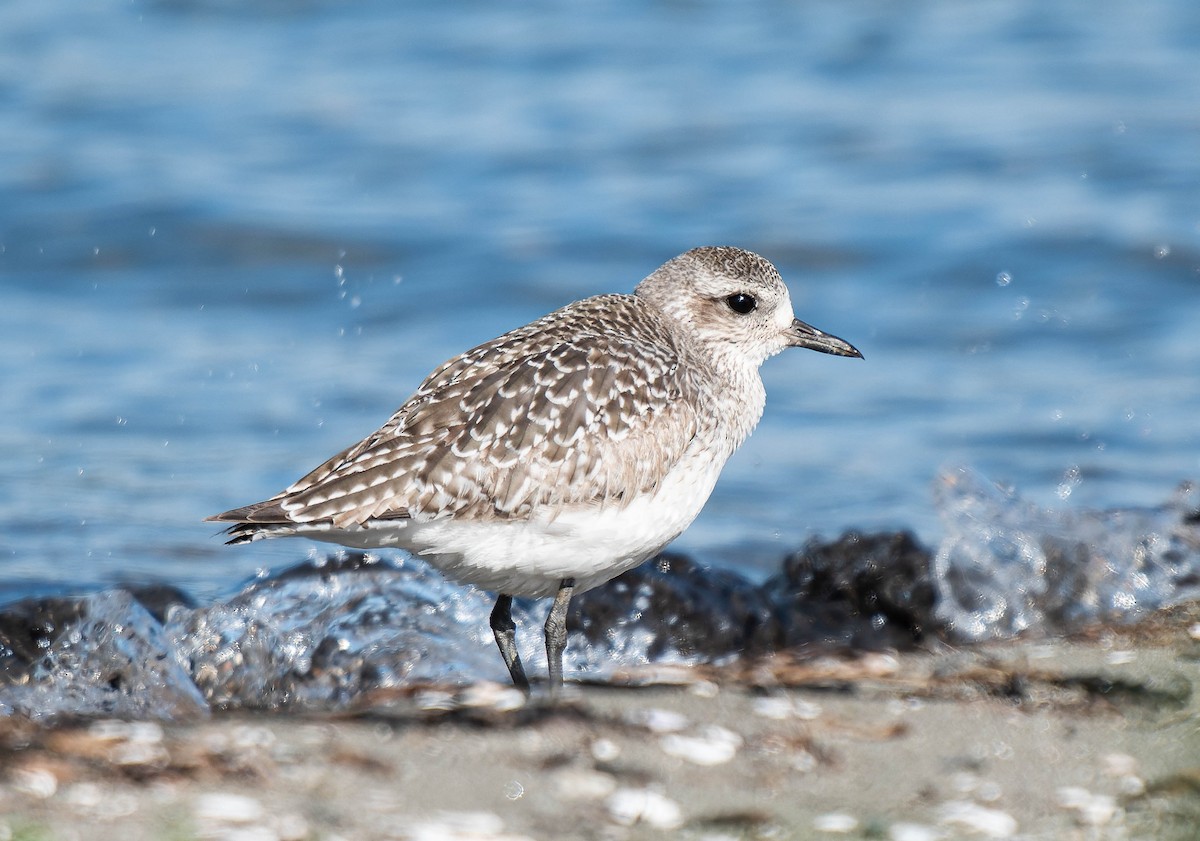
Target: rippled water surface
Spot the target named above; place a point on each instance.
(235, 236)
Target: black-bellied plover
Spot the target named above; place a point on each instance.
(561, 454)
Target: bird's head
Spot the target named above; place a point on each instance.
(731, 299)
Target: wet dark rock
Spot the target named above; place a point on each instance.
(322, 633)
(685, 607)
(158, 599)
(863, 591)
(27, 630)
(867, 591)
(30, 627)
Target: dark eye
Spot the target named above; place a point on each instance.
(741, 303)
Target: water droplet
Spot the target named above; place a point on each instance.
(1070, 481)
(1161, 251)
(514, 790)
(1003, 279)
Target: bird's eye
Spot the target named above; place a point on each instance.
(741, 303)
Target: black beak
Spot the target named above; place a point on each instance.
(807, 336)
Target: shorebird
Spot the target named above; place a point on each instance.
(563, 453)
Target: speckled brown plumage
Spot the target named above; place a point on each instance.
(586, 405)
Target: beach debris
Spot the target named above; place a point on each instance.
(584, 784)
(782, 707)
(713, 745)
(658, 720)
(630, 806)
(34, 780)
(904, 831)
(979, 820)
(1088, 808)
(835, 822)
(492, 696)
(1124, 768)
(456, 826)
(605, 750)
(220, 807)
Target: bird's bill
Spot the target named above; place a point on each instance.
(807, 336)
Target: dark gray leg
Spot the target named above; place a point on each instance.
(556, 633)
(505, 632)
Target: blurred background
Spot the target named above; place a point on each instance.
(234, 236)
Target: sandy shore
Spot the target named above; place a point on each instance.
(1097, 737)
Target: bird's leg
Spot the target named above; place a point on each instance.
(505, 632)
(556, 633)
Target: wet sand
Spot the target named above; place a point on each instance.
(1094, 737)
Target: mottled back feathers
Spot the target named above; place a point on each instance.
(526, 421)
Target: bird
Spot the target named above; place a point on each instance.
(557, 456)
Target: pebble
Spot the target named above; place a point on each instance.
(804, 762)
(36, 782)
(714, 745)
(224, 808)
(1124, 768)
(293, 828)
(914, 832)
(457, 826)
(109, 730)
(1119, 764)
(629, 806)
(435, 700)
(244, 833)
(988, 792)
(492, 696)
(838, 822)
(990, 823)
(1089, 809)
(781, 707)
(879, 664)
(584, 784)
(84, 796)
(90, 799)
(658, 720)
(967, 784)
(605, 750)
(138, 754)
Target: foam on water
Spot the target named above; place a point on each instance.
(1007, 566)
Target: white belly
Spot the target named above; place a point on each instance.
(532, 557)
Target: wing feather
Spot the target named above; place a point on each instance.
(587, 406)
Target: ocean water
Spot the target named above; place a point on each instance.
(235, 236)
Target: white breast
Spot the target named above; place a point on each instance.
(532, 557)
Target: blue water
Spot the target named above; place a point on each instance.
(234, 236)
